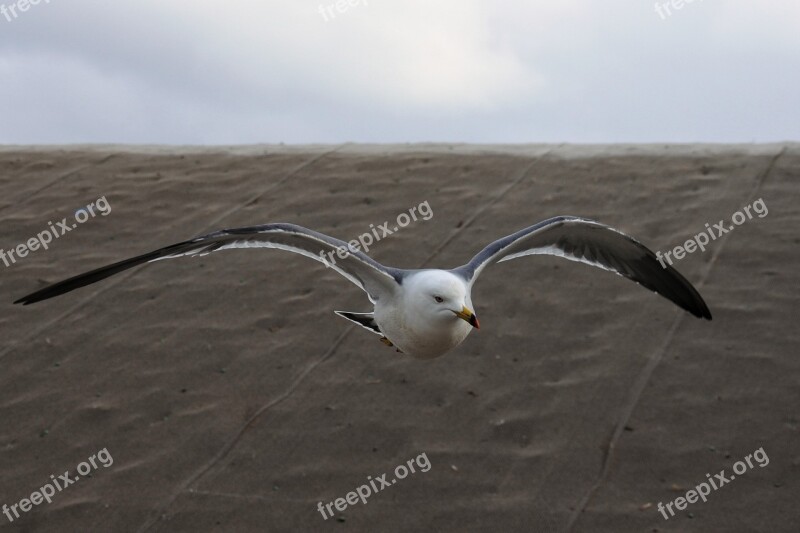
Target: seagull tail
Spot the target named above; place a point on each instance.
(365, 320)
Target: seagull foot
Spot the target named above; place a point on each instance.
(389, 343)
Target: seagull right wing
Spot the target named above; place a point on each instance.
(587, 241)
(375, 279)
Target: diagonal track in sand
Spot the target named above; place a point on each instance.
(209, 224)
(517, 178)
(155, 515)
(55, 180)
(637, 389)
(520, 175)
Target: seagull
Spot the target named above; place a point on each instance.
(425, 313)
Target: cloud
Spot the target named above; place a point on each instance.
(274, 70)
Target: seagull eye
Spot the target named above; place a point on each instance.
(438, 299)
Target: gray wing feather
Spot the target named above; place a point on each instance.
(369, 275)
(587, 241)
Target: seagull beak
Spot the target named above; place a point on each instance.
(469, 316)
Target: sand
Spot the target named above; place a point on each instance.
(231, 398)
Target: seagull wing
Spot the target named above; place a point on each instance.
(587, 241)
(375, 279)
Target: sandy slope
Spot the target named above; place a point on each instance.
(232, 398)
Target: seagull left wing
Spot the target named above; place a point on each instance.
(375, 279)
(587, 241)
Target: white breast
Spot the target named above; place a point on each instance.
(419, 338)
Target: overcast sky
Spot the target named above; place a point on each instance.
(260, 71)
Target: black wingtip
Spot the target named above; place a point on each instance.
(36, 297)
(703, 313)
(29, 298)
(698, 306)
(99, 274)
(40, 295)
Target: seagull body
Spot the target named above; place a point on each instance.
(417, 323)
(427, 313)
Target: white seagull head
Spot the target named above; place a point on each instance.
(439, 297)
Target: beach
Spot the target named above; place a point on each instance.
(232, 398)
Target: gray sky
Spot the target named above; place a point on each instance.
(247, 71)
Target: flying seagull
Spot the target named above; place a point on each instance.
(426, 313)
